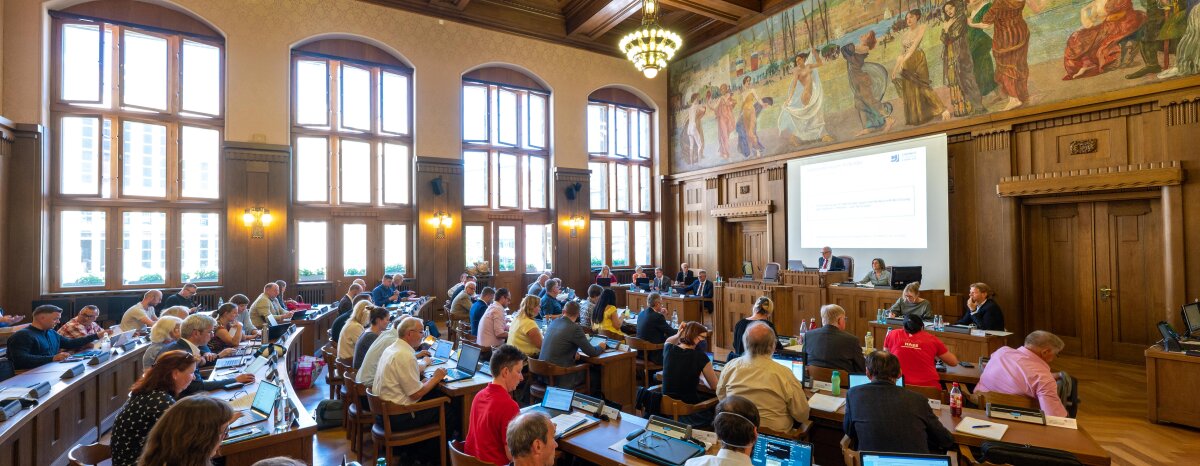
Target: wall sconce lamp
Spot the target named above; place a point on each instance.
(575, 223)
(441, 221)
(255, 218)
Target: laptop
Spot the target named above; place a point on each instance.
(468, 360)
(643, 283)
(260, 408)
(232, 361)
(276, 331)
(596, 340)
(861, 379)
(556, 401)
(122, 338)
(871, 458)
(442, 352)
(271, 319)
(774, 451)
(604, 281)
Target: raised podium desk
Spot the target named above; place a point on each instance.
(1170, 379)
(689, 308)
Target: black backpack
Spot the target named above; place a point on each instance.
(328, 414)
(1025, 455)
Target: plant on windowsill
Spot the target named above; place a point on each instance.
(87, 280)
(147, 279)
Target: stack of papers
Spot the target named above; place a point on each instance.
(829, 404)
(1064, 422)
(981, 428)
(566, 424)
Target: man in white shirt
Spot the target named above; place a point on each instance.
(736, 426)
(141, 315)
(398, 378)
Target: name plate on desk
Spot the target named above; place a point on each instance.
(103, 356)
(129, 346)
(955, 328)
(1012, 413)
(9, 408)
(73, 371)
(895, 321)
(39, 389)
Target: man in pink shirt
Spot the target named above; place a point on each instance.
(493, 328)
(1025, 371)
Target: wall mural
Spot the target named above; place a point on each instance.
(832, 70)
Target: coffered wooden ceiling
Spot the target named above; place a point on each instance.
(599, 24)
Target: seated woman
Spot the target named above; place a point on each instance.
(189, 433)
(228, 333)
(637, 273)
(164, 333)
(354, 328)
(910, 303)
(149, 397)
(524, 332)
(879, 274)
(1096, 47)
(611, 320)
(685, 367)
(918, 351)
(761, 312)
(605, 272)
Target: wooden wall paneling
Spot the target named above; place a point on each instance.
(6, 149)
(27, 223)
(1081, 146)
(22, 449)
(670, 225)
(710, 256)
(694, 214)
(999, 222)
(1179, 131)
(1060, 282)
(961, 200)
(1174, 265)
(572, 255)
(776, 192)
(257, 175)
(438, 261)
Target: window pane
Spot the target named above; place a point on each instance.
(395, 249)
(81, 248)
(356, 160)
(597, 129)
(201, 87)
(312, 93)
(80, 152)
(356, 98)
(395, 103)
(644, 138)
(641, 242)
(106, 171)
(200, 148)
(506, 114)
(475, 113)
(508, 180)
(312, 170)
(144, 74)
(536, 134)
(535, 253)
(647, 189)
(537, 182)
(354, 249)
(622, 130)
(395, 174)
(144, 160)
(597, 227)
(548, 245)
(620, 243)
(473, 244)
(598, 186)
(622, 188)
(506, 248)
(200, 248)
(144, 248)
(475, 178)
(81, 70)
(311, 243)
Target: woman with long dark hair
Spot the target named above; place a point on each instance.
(228, 332)
(189, 433)
(149, 397)
(607, 306)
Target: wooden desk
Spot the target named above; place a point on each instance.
(810, 291)
(690, 308)
(617, 377)
(964, 345)
(592, 444)
(462, 393)
(861, 303)
(315, 327)
(734, 301)
(1170, 379)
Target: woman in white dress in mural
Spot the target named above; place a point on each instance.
(802, 117)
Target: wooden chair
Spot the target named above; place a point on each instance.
(849, 455)
(825, 374)
(933, 393)
(981, 399)
(676, 408)
(333, 375)
(383, 436)
(459, 457)
(88, 455)
(346, 370)
(611, 334)
(645, 366)
(797, 433)
(549, 371)
(359, 417)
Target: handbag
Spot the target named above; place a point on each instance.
(1025, 455)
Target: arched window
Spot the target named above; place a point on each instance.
(137, 110)
(620, 147)
(352, 143)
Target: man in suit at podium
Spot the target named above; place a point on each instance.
(702, 288)
(685, 275)
(829, 262)
(660, 282)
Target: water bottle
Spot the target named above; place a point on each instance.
(937, 322)
(675, 319)
(803, 327)
(719, 280)
(220, 302)
(869, 340)
(281, 410)
(956, 401)
(381, 462)
(812, 323)
(836, 382)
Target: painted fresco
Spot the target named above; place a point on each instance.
(833, 70)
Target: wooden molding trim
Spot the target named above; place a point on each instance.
(353, 213)
(439, 165)
(1143, 175)
(747, 172)
(574, 175)
(505, 216)
(712, 183)
(742, 209)
(257, 152)
(960, 137)
(776, 173)
(997, 138)
(1181, 112)
(1095, 115)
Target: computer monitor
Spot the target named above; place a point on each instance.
(870, 458)
(604, 281)
(771, 272)
(861, 379)
(795, 265)
(643, 283)
(903, 275)
(774, 451)
(1191, 319)
(748, 270)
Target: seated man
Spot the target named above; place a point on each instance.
(531, 440)
(83, 324)
(196, 332)
(385, 294)
(766, 383)
(831, 346)
(266, 305)
(982, 311)
(493, 327)
(702, 288)
(588, 306)
(685, 276)
(736, 426)
(564, 339)
(660, 282)
(1025, 371)
(652, 324)
(370, 360)
(480, 307)
(493, 408)
(39, 344)
(539, 285)
(460, 308)
(829, 262)
(141, 315)
(398, 378)
(883, 417)
(458, 287)
(345, 308)
(186, 297)
(550, 306)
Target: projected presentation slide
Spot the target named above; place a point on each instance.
(871, 201)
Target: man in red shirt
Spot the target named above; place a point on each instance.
(494, 407)
(916, 349)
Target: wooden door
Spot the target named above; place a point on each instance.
(509, 267)
(1129, 263)
(1060, 274)
(754, 240)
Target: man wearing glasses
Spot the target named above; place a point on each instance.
(83, 324)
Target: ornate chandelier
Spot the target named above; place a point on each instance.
(650, 46)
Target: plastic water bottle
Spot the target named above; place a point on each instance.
(836, 382)
(869, 340)
(675, 319)
(719, 280)
(220, 302)
(812, 323)
(956, 401)
(281, 410)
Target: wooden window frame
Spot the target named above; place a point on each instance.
(521, 149)
(633, 164)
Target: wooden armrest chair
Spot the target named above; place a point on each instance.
(611, 334)
(676, 408)
(933, 393)
(383, 436)
(825, 374)
(333, 375)
(981, 399)
(88, 455)
(797, 433)
(549, 371)
(359, 417)
(645, 366)
(459, 457)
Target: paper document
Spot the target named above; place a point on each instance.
(705, 437)
(1064, 422)
(980, 428)
(829, 404)
(566, 422)
(978, 333)
(999, 333)
(819, 385)
(797, 348)
(242, 402)
(16, 392)
(619, 446)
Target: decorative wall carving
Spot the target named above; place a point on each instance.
(1084, 146)
(1076, 118)
(1183, 112)
(742, 209)
(992, 138)
(255, 152)
(1143, 175)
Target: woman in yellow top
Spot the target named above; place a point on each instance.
(524, 332)
(612, 319)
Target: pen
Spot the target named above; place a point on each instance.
(981, 426)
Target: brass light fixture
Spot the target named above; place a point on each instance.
(650, 46)
(575, 223)
(255, 218)
(440, 220)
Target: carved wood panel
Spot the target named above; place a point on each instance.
(1093, 144)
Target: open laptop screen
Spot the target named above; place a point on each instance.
(468, 358)
(264, 400)
(861, 379)
(902, 459)
(557, 398)
(444, 348)
(773, 451)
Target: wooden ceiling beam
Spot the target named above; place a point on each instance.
(726, 11)
(594, 18)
